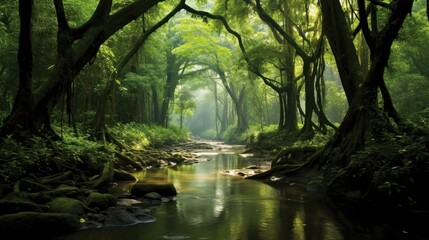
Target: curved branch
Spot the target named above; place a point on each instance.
(252, 68)
(101, 14)
(86, 48)
(380, 3)
(61, 15)
(146, 34)
(364, 25)
(270, 21)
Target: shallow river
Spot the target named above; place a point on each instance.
(212, 205)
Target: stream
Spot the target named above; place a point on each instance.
(213, 205)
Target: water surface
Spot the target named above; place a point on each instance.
(213, 205)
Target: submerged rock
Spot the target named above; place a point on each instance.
(121, 216)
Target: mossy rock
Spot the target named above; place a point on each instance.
(141, 189)
(34, 225)
(67, 205)
(100, 200)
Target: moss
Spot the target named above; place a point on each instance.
(100, 200)
(66, 205)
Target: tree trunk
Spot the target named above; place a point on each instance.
(238, 101)
(173, 68)
(290, 107)
(21, 123)
(307, 132)
(224, 119)
(339, 37)
(364, 119)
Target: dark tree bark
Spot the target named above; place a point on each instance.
(21, 123)
(337, 31)
(364, 119)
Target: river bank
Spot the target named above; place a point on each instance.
(211, 204)
(67, 202)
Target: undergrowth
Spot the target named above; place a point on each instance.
(139, 136)
(42, 156)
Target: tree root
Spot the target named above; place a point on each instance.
(128, 161)
(281, 170)
(103, 182)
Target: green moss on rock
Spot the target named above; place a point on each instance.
(100, 200)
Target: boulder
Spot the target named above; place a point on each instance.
(100, 200)
(66, 205)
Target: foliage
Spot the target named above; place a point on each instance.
(131, 134)
(83, 152)
(139, 136)
(229, 135)
(395, 169)
(17, 159)
(319, 140)
(184, 104)
(409, 93)
(254, 132)
(37, 155)
(408, 76)
(9, 23)
(209, 134)
(273, 139)
(336, 102)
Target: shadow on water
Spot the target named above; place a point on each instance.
(212, 205)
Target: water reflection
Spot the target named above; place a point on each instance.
(211, 205)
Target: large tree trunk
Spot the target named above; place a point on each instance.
(364, 119)
(340, 40)
(21, 123)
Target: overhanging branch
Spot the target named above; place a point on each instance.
(252, 68)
